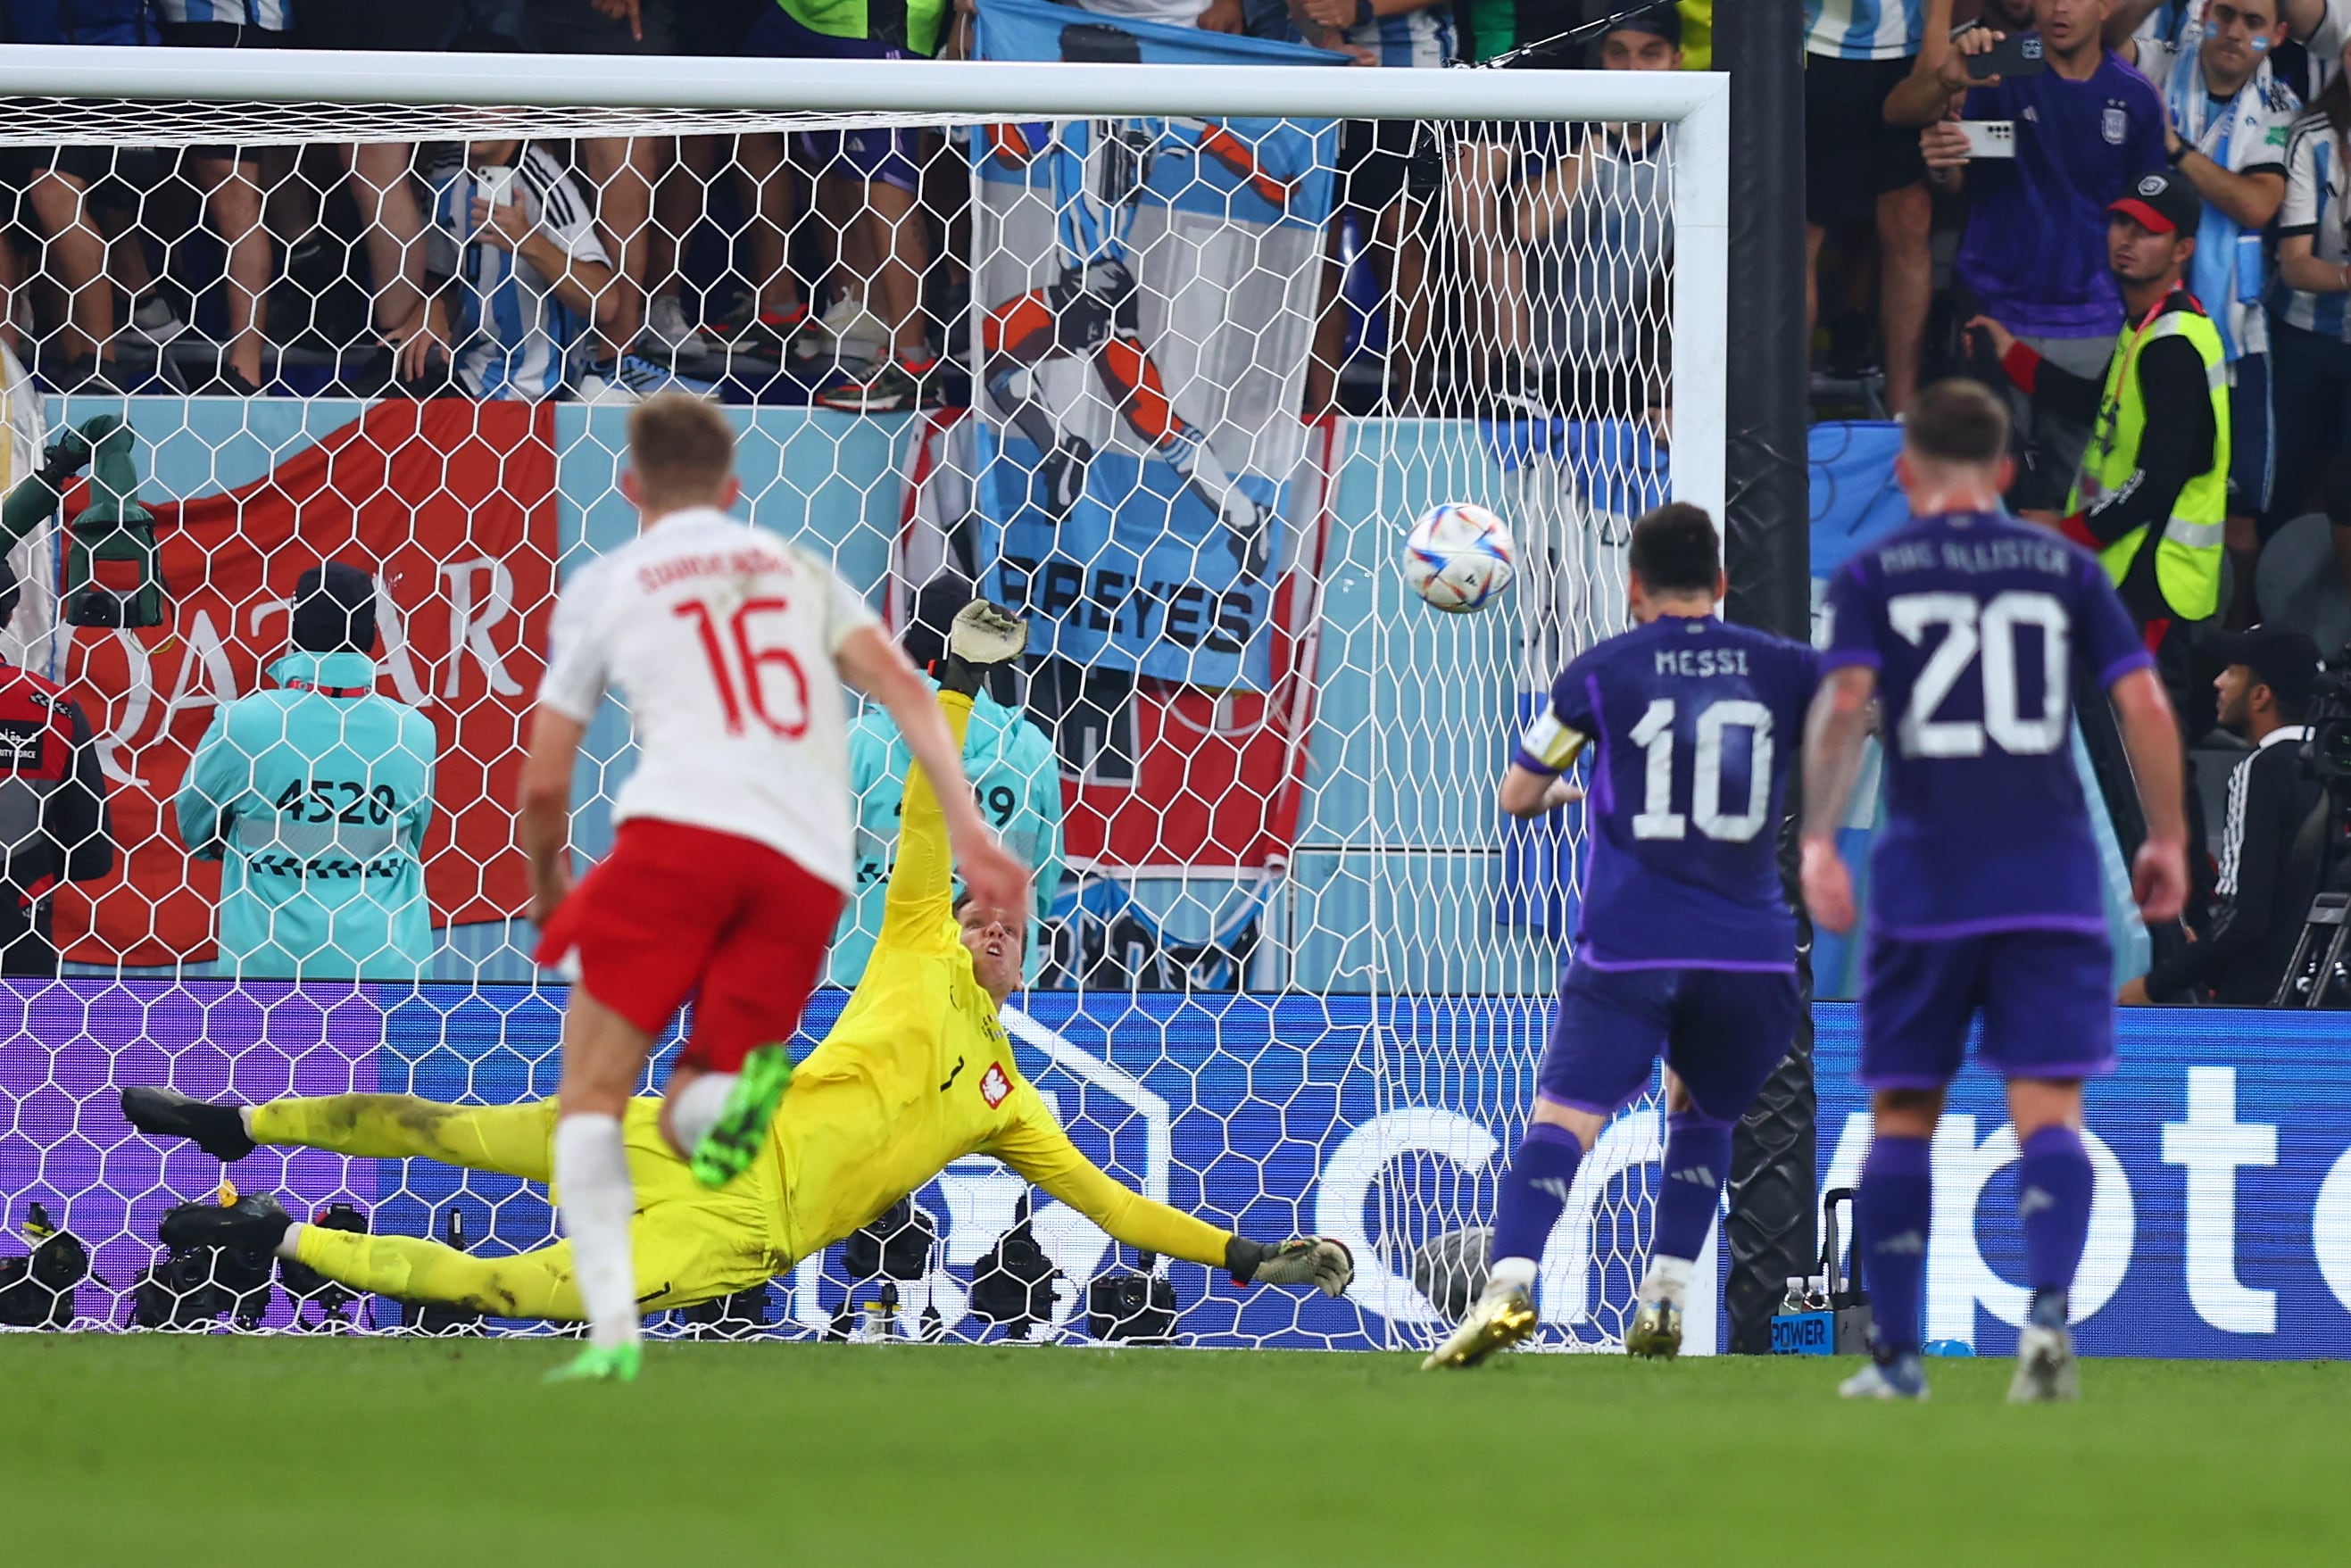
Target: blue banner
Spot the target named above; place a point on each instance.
(2222, 1226)
(1855, 499)
(1616, 466)
(1145, 291)
(2222, 1146)
(2222, 1221)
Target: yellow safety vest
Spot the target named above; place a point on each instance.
(2187, 557)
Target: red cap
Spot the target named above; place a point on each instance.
(2162, 204)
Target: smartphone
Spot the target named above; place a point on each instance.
(2018, 56)
(1990, 138)
(496, 184)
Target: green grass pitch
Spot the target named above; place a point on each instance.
(173, 1449)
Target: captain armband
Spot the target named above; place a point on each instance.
(1551, 744)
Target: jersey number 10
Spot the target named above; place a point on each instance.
(741, 679)
(1654, 736)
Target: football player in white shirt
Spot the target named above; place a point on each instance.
(730, 859)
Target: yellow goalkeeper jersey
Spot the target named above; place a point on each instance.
(918, 1072)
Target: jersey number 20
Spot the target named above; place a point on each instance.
(742, 679)
(1984, 636)
(1654, 736)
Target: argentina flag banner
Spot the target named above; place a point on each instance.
(1145, 293)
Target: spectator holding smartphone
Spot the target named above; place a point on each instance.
(2033, 253)
(517, 271)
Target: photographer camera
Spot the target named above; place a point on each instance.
(2268, 864)
(2314, 973)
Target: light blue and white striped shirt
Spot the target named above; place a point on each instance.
(269, 15)
(510, 331)
(2245, 134)
(1864, 29)
(2168, 23)
(2314, 206)
(1422, 37)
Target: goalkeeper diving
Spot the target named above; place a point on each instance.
(916, 1073)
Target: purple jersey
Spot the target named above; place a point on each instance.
(1977, 625)
(1697, 726)
(2035, 246)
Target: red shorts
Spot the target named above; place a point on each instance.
(676, 911)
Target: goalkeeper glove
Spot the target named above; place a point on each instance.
(1315, 1260)
(982, 636)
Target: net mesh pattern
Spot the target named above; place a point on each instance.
(1174, 388)
(147, 122)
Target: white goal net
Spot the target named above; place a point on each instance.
(1167, 356)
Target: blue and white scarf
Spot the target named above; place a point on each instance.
(2229, 300)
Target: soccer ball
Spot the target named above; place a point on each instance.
(1459, 556)
(1450, 1269)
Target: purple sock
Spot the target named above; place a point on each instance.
(1534, 1191)
(1697, 1162)
(1897, 1202)
(2052, 1199)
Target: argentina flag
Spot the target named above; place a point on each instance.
(1145, 291)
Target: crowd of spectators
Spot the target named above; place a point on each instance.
(1505, 265)
(1919, 224)
(816, 266)
(2128, 214)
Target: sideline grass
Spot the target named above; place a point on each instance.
(436, 1455)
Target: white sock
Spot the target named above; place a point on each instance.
(1668, 1281)
(1508, 1271)
(694, 1109)
(591, 1173)
(244, 1119)
(289, 1245)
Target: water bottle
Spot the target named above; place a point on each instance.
(1793, 1301)
(2250, 265)
(872, 1325)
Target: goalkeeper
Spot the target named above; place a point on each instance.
(916, 1073)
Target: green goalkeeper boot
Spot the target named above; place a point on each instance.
(601, 1363)
(736, 1139)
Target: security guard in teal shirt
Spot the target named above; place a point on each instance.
(1017, 781)
(314, 797)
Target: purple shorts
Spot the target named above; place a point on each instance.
(877, 156)
(1721, 1031)
(2047, 999)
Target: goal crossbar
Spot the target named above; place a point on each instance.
(982, 89)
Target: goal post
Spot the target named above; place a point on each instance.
(1293, 974)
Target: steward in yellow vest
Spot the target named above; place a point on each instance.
(2151, 499)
